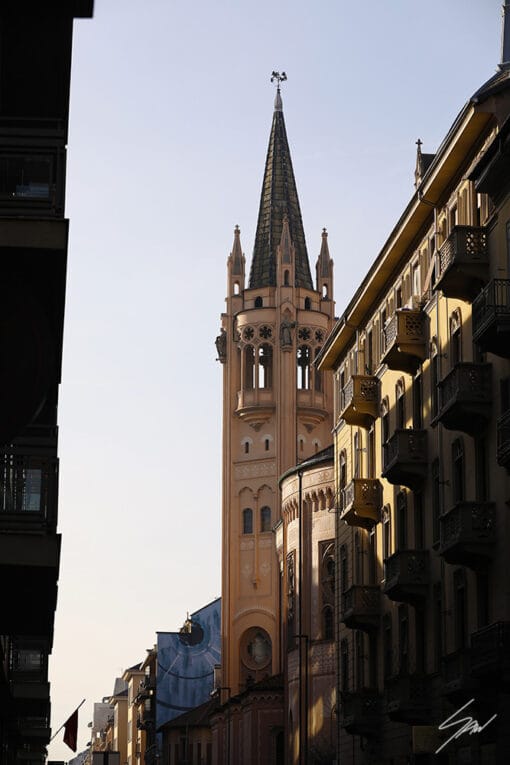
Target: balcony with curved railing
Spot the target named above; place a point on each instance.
(465, 397)
(359, 404)
(491, 318)
(362, 502)
(405, 340)
(405, 458)
(468, 534)
(462, 265)
(361, 607)
(406, 576)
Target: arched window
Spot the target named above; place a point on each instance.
(259, 302)
(246, 447)
(458, 472)
(317, 373)
(344, 664)
(265, 353)
(328, 624)
(324, 291)
(342, 477)
(236, 288)
(434, 378)
(249, 368)
(357, 455)
(308, 304)
(402, 520)
(247, 520)
(400, 407)
(286, 279)
(386, 531)
(265, 519)
(266, 444)
(455, 339)
(303, 367)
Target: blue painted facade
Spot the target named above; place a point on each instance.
(186, 660)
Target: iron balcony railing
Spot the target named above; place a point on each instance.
(467, 382)
(503, 429)
(492, 302)
(466, 244)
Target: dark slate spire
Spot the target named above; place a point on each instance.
(505, 37)
(279, 197)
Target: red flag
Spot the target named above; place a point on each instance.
(71, 731)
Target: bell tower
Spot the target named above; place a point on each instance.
(276, 406)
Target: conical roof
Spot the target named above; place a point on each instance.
(279, 197)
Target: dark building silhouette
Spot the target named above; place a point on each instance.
(35, 69)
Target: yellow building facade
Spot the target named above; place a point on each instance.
(420, 360)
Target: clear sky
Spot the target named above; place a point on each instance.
(171, 108)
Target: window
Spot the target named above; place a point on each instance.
(303, 367)
(455, 339)
(481, 470)
(266, 444)
(403, 640)
(249, 367)
(247, 520)
(400, 407)
(482, 597)
(246, 447)
(21, 486)
(265, 355)
(308, 304)
(386, 519)
(460, 609)
(342, 477)
(344, 665)
(259, 302)
(434, 380)
(458, 479)
(265, 519)
(344, 584)
(358, 559)
(317, 373)
(286, 278)
(357, 455)
(328, 624)
(438, 624)
(436, 500)
(402, 520)
(419, 521)
(369, 355)
(387, 645)
(419, 624)
(360, 659)
(371, 453)
(372, 557)
(417, 402)
(385, 421)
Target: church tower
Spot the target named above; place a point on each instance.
(276, 407)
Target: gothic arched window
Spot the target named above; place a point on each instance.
(265, 519)
(247, 520)
(249, 368)
(259, 302)
(265, 354)
(303, 367)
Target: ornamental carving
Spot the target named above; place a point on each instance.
(255, 470)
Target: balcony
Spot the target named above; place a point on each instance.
(490, 655)
(360, 400)
(465, 398)
(361, 502)
(458, 685)
(255, 405)
(463, 263)
(361, 712)
(405, 460)
(407, 699)
(28, 491)
(361, 607)
(468, 534)
(406, 576)
(491, 318)
(405, 340)
(503, 453)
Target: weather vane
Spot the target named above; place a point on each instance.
(279, 78)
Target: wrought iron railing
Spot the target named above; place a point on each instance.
(473, 521)
(407, 446)
(361, 598)
(471, 382)
(407, 567)
(28, 486)
(493, 300)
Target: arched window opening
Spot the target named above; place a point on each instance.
(402, 520)
(301, 444)
(324, 291)
(308, 304)
(237, 289)
(400, 408)
(286, 279)
(328, 624)
(246, 447)
(342, 478)
(249, 367)
(434, 378)
(247, 520)
(317, 373)
(259, 302)
(455, 339)
(458, 472)
(303, 367)
(266, 444)
(357, 455)
(265, 367)
(265, 519)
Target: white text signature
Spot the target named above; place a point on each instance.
(468, 725)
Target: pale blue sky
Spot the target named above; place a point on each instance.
(170, 115)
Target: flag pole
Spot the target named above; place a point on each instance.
(63, 725)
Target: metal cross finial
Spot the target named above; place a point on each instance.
(419, 143)
(279, 78)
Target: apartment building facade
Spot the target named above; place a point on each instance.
(420, 359)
